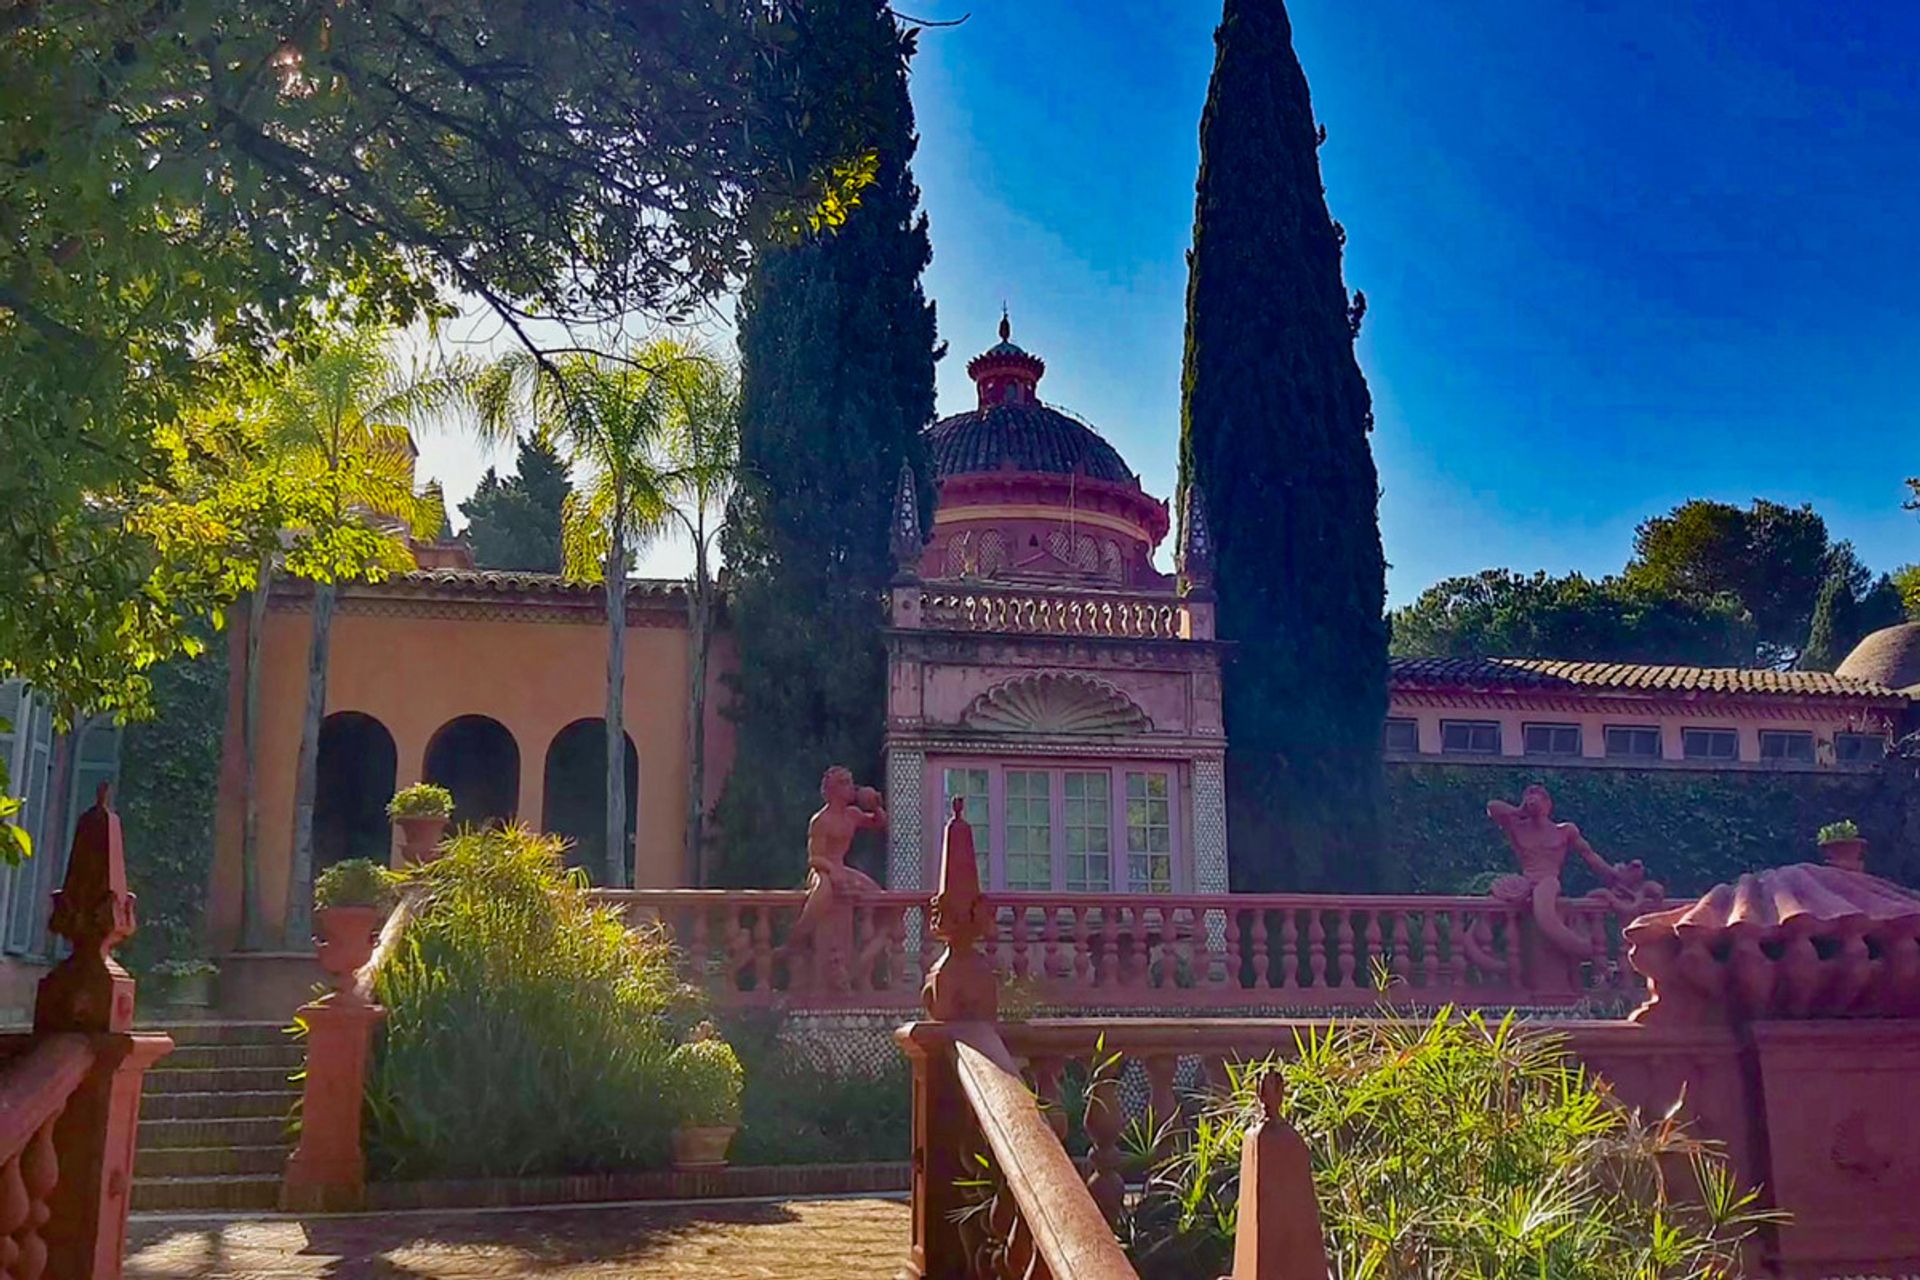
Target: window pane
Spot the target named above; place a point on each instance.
(972, 785)
(1641, 742)
(1402, 735)
(1710, 744)
(1149, 833)
(1552, 739)
(1029, 829)
(1089, 820)
(1855, 747)
(1470, 737)
(1780, 745)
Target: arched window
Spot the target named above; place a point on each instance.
(357, 764)
(476, 758)
(576, 791)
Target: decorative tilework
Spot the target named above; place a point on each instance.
(1209, 825)
(906, 803)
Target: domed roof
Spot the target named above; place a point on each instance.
(1889, 656)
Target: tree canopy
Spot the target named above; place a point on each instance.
(514, 522)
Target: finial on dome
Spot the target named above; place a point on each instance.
(1006, 325)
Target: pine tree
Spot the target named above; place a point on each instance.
(1274, 432)
(837, 346)
(1831, 633)
(514, 523)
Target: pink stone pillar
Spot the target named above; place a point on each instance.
(328, 1170)
(1278, 1232)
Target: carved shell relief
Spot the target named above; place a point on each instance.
(1054, 702)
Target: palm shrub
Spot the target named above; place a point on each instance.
(1453, 1147)
(529, 1031)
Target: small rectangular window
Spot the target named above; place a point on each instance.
(1633, 742)
(1551, 739)
(1470, 737)
(1710, 744)
(1149, 833)
(1029, 822)
(1781, 744)
(1403, 735)
(1859, 748)
(1089, 829)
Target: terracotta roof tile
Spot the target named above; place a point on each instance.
(1550, 673)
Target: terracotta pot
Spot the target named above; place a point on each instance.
(345, 937)
(189, 991)
(702, 1146)
(420, 837)
(1848, 855)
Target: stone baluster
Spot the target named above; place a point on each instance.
(1161, 1098)
(1402, 948)
(1105, 1120)
(1429, 948)
(1230, 938)
(1020, 965)
(1261, 961)
(1375, 940)
(1316, 947)
(763, 950)
(1289, 948)
(1082, 947)
(1345, 930)
(697, 950)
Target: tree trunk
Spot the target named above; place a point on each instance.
(253, 927)
(699, 628)
(299, 927)
(616, 573)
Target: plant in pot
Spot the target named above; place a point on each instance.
(422, 812)
(185, 984)
(1841, 843)
(350, 898)
(709, 1079)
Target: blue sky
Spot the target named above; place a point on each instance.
(1616, 255)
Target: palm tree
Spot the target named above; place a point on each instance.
(336, 426)
(651, 439)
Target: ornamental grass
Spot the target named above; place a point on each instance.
(529, 1031)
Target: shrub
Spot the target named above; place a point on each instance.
(1453, 1147)
(1845, 829)
(709, 1078)
(796, 1113)
(421, 800)
(353, 882)
(528, 1030)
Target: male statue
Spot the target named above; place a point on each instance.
(832, 885)
(1541, 845)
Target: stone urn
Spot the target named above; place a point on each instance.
(702, 1146)
(420, 837)
(1849, 854)
(345, 938)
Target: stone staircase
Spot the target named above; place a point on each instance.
(213, 1119)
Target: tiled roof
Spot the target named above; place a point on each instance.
(511, 582)
(1028, 437)
(1624, 677)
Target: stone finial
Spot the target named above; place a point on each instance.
(1278, 1223)
(93, 911)
(906, 538)
(960, 985)
(1196, 542)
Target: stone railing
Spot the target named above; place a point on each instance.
(1148, 951)
(1054, 613)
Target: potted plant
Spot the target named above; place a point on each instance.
(710, 1080)
(421, 811)
(1841, 843)
(186, 984)
(350, 898)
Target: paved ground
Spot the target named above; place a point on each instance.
(792, 1240)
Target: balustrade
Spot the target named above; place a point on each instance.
(1051, 613)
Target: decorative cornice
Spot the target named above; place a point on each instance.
(1055, 703)
(997, 648)
(963, 742)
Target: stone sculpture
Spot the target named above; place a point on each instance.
(1541, 846)
(826, 923)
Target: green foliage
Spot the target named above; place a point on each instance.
(421, 800)
(184, 968)
(837, 347)
(166, 797)
(16, 846)
(1845, 829)
(1693, 829)
(515, 523)
(796, 1113)
(1906, 581)
(1501, 614)
(708, 1079)
(1455, 1147)
(353, 882)
(1274, 425)
(528, 1031)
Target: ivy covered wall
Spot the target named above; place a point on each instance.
(1693, 830)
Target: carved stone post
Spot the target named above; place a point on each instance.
(327, 1172)
(960, 987)
(1278, 1232)
(89, 992)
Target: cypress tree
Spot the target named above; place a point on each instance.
(1834, 628)
(837, 347)
(514, 523)
(1274, 426)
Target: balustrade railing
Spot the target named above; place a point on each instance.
(1053, 613)
(1147, 951)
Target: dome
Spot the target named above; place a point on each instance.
(1889, 656)
(1023, 437)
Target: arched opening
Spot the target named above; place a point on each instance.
(576, 790)
(354, 782)
(476, 758)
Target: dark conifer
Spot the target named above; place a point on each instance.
(1274, 431)
(837, 347)
(514, 522)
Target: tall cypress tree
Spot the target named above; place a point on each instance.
(1274, 427)
(514, 523)
(837, 347)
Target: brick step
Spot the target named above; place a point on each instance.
(202, 1033)
(177, 1162)
(222, 1079)
(212, 1132)
(200, 1057)
(218, 1106)
(248, 1192)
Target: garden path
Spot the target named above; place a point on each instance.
(833, 1239)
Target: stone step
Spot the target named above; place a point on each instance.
(176, 1162)
(213, 1132)
(218, 1106)
(199, 1057)
(221, 1079)
(249, 1192)
(202, 1033)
